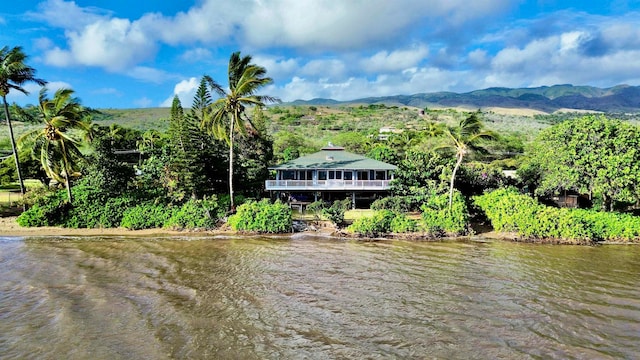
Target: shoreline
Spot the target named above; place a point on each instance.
(10, 228)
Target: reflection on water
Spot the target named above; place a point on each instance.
(257, 298)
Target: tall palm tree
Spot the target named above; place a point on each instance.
(13, 74)
(227, 114)
(57, 144)
(464, 139)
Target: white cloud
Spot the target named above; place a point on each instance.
(277, 68)
(43, 43)
(395, 60)
(410, 81)
(339, 24)
(186, 90)
(148, 74)
(107, 91)
(324, 68)
(95, 38)
(54, 86)
(33, 90)
(67, 14)
(114, 44)
(197, 55)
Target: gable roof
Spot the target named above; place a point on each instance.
(334, 158)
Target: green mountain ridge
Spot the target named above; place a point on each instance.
(619, 98)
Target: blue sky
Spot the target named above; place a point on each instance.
(130, 54)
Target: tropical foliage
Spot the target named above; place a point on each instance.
(590, 155)
(14, 73)
(226, 116)
(467, 137)
(262, 216)
(57, 144)
(510, 211)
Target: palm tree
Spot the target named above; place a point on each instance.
(227, 114)
(464, 139)
(57, 144)
(13, 74)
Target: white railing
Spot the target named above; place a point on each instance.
(327, 184)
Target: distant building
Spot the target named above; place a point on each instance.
(331, 174)
(385, 132)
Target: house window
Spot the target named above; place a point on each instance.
(363, 175)
(322, 175)
(338, 175)
(348, 175)
(332, 174)
(288, 175)
(380, 175)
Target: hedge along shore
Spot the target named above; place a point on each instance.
(9, 227)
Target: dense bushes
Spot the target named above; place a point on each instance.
(438, 218)
(509, 210)
(262, 216)
(378, 224)
(196, 214)
(146, 216)
(92, 209)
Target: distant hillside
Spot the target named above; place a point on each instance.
(621, 98)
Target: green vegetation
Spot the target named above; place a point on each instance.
(442, 214)
(262, 216)
(226, 116)
(14, 73)
(372, 226)
(185, 168)
(590, 155)
(56, 145)
(510, 211)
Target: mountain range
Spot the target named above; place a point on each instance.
(617, 99)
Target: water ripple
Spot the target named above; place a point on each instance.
(257, 298)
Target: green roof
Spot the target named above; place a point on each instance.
(334, 158)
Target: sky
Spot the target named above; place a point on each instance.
(135, 53)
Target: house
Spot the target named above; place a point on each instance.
(331, 174)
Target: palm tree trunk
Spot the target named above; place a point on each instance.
(13, 144)
(67, 183)
(453, 178)
(68, 186)
(231, 163)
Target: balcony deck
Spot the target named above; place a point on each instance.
(325, 185)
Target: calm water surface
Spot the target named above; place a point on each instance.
(306, 298)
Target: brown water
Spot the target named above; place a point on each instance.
(259, 298)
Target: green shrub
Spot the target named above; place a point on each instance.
(403, 224)
(377, 224)
(146, 216)
(335, 212)
(437, 218)
(315, 208)
(195, 214)
(509, 210)
(113, 210)
(47, 210)
(262, 216)
(397, 204)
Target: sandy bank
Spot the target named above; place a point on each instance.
(9, 227)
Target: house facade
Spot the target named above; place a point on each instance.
(331, 174)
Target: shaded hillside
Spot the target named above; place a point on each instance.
(621, 98)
